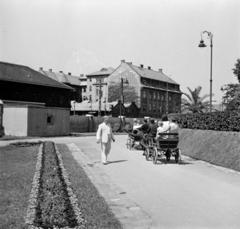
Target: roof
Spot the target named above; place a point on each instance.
(62, 77)
(103, 71)
(151, 74)
(23, 74)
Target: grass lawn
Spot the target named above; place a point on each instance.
(93, 206)
(17, 168)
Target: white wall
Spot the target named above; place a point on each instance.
(15, 121)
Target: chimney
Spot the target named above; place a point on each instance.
(69, 73)
(41, 69)
(122, 61)
(141, 65)
(149, 67)
(81, 75)
(130, 63)
(160, 70)
(60, 71)
(50, 70)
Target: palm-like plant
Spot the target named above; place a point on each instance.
(194, 102)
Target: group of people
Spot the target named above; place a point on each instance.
(152, 127)
(155, 127)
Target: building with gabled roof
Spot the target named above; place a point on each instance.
(94, 81)
(157, 93)
(34, 104)
(67, 79)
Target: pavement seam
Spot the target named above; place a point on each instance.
(125, 210)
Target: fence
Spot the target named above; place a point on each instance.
(83, 124)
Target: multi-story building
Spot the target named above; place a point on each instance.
(67, 79)
(157, 93)
(97, 80)
(83, 80)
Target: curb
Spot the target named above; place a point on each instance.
(125, 210)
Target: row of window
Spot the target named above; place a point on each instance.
(156, 96)
(161, 109)
(159, 84)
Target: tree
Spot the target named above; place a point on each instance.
(231, 91)
(194, 103)
(129, 93)
(231, 97)
(236, 70)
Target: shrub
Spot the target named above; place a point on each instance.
(218, 121)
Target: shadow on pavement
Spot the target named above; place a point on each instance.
(172, 161)
(110, 162)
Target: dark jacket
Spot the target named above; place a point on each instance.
(144, 128)
(152, 130)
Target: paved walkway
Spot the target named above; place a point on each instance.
(126, 210)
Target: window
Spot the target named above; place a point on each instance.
(144, 94)
(90, 79)
(96, 92)
(90, 88)
(144, 106)
(162, 97)
(154, 95)
(159, 96)
(154, 107)
(150, 95)
(50, 119)
(84, 89)
(150, 107)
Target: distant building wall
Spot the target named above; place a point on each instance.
(15, 121)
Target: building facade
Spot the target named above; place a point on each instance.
(157, 93)
(97, 84)
(67, 79)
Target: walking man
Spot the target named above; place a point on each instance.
(105, 136)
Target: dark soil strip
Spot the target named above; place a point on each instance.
(54, 207)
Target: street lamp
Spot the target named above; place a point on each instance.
(74, 101)
(123, 81)
(202, 45)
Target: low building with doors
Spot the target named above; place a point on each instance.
(33, 103)
(153, 92)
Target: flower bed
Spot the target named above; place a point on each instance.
(52, 201)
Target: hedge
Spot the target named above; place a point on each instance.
(218, 121)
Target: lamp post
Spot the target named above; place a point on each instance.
(202, 45)
(123, 81)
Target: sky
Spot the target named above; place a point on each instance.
(83, 36)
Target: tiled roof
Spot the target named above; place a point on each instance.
(103, 71)
(24, 74)
(62, 77)
(151, 74)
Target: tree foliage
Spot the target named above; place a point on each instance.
(236, 70)
(194, 102)
(231, 91)
(129, 93)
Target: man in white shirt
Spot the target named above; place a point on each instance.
(105, 136)
(173, 128)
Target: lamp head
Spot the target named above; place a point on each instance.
(202, 45)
